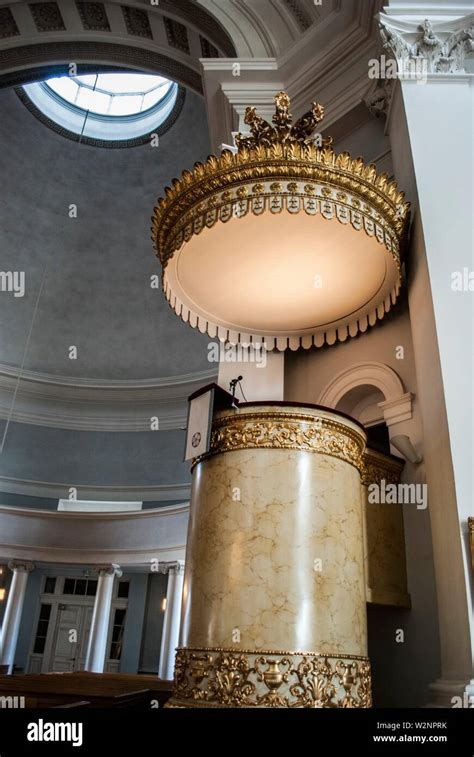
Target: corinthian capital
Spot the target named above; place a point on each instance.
(441, 46)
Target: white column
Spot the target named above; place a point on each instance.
(431, 131)
(97, 644)
(13, 610)
(171, 621)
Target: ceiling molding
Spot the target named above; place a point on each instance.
(329, 62)
(16, 62)
(51, 490)
(94, 405)
(166, 38)
(268, 28)
(123, 538)
(79, 515)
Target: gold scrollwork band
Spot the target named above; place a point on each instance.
(302, 432)
(211, 677)
(375, 469)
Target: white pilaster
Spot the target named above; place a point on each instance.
(431, 131)
(13, 610)
(171, 621)
(97, 644)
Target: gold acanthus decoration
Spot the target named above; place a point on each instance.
(278, 153)
(281, 167)
(291, 431)
(377, 467)
(282, 132)
(212, 677)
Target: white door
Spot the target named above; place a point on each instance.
(70, 638)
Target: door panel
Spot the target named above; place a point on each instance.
(64, 655)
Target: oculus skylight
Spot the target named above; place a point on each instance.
(106, 106)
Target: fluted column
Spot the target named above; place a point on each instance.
(171, 621)
(13, 610)
(97, 644)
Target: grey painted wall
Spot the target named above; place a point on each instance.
(84, 457)
(132, 636)
(97, 293)
(153, 623)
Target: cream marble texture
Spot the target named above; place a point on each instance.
(260, 520)
(385, 557)
(384, 548)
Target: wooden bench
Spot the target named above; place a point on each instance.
(100, 690)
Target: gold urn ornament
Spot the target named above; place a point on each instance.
(282, 242)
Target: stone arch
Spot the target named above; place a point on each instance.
(396, 405)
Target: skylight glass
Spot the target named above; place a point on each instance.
(111, 94)
(110, 107)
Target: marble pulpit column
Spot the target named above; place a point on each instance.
(171, 620)
(13, 610)
(97, 644)
(274, 607)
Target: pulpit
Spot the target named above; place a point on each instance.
(274, 601)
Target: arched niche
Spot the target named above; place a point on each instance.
(371, 392)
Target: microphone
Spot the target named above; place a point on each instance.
(233, 387)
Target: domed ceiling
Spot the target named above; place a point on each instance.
(97, 294)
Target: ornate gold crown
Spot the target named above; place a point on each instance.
(278, 167)
(219, 188)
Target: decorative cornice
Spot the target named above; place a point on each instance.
(52, 490)
(98, 405)
(441, 47)
(107, 517)
(203, 20)
(300, 13)
(17, 62)
(284, 430)
(139, 538)
(397, 410)
(212, 677)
